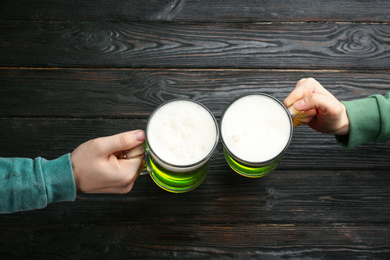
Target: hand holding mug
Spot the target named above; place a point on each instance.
(321, 110)
(98, 169)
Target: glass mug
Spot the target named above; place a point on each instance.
(181, 136)
(256, 130)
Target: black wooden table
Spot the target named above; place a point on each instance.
(71, 71)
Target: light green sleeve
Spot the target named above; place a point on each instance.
(27, 184)
(369, 120)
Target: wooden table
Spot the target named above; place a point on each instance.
(71, 71)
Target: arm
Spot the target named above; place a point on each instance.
(27, 184)
(353, 122)
(95, 166)
(369, 121)
(321, 110)
(98, 168)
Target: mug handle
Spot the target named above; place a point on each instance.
(127, 155)
(293, 112)
(143, 169)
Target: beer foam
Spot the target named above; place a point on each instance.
(182, 132)
(256, 128)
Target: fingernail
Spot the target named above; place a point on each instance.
(300, 104)
(139, 135)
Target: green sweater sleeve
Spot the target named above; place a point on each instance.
(369, 120)
(27, 184)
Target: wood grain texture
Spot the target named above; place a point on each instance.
(283, 197)
(135, 93)
(51, 137)
(199, 11)
(198, 241)
(157, 45)
(73, 70)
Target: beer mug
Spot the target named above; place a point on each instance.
(256, 130)
(181, 136)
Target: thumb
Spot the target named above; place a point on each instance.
(121, 142)
(322, 103)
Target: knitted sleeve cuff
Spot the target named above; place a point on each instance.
(364, 122)
(58, 179)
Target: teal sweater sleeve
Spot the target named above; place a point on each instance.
(369, 121)
(27, 184)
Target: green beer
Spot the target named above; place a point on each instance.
(181, 137)
(256, 130)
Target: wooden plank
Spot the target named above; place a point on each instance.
(195, 10)
(316, 182)
(158, 45)
(310, 196)
(54, 137)
(50, 138)
(196, 241)
(135, 93)
(75, 70)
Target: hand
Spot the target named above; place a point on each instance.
(321, 110)
(98, 169)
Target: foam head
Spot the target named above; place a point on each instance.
(256, 128)
(182, 132)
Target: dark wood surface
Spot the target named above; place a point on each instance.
(206, 45)
(71, 71)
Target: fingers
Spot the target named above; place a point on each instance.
(122, 175)
(125, 171)
(120, 142)
(304, 118)
(303, 88)
(135, 164)
(98, 167)
(134, 155)
(298, 93)
(135, 152)
(325, 104)
(130, 170)
(309, 94)
(141, 168)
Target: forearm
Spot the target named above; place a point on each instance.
(27, 184)
(369, 121)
